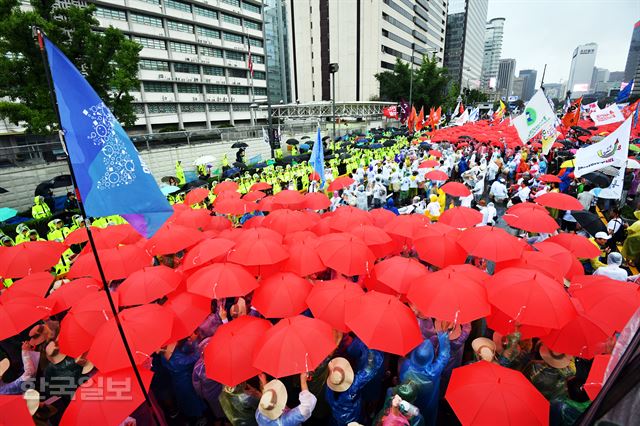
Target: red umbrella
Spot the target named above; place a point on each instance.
(289, 198)
(450, 296)
(330, 300)
(576, 244)
(299, 237)
(173, 239)
(107, 351)
(109, 237)
(598, 375)
(253, 222)
(428, 164)
(303, 258)
(316, 201)
(148, 284)
(490, 243)
(382, 322)
(530, 297)
(470, 271)
(437, 175)
(227, 195)
(437, 244)
(196, 196)
(455, 189)
(340, 183)
(107, 398)
(308, 341)
(435, 153)
(221, 280)
(18, 313)
(36, 284)
(281, 295)
(531, 220)
(260, 186)
(258, 251)
(229, 354)
(27, 258)
(527, 206)
(485, 393)
(285, 221)
(461, 217)
(558, 200)
(346, 218)
(268, 204)
(117, 263)
(189, 311)
(195, 219)
(14, 411)
(381, 217)
(234, 207)
(257, 234)
(398, 273)
(570, 264)
(254, 196)
(581, 336)
(538, 261)
(406, 226)
(227, 185)
(504, 324)
(345, 253)
(549, 178)
(375, 238)
(70, 293)
(219, 223)
(206, 251)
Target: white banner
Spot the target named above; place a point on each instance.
(613, 191)
(591, 108)
(611, 151)
(537, 115)
(462, 119)
(608, 115)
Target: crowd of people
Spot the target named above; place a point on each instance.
(355, 383)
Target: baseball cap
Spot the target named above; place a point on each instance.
(602, 235)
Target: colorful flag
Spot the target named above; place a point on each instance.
(610, 151)
(462, 119)
(499, 114)
(111, 176)
(411, 121)
(606, 116)
(420, 120)
(537, 115)
(591, 108)
(403, 111)
(437, 117)
(390, 111)
(572, 116)
(474, 115)
(317, 158)
(624, 93)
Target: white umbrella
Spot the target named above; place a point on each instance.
(205, 159)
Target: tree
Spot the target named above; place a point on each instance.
(474, 96)
(108, 60)
(429, 84)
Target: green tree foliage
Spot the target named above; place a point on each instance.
(108, 60)
(429, 84)
(474, 96)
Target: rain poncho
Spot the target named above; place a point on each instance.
(551, 382)
(207, 389)
(40, 209)
(391, 206)
(180, 173)
(239, 405)
(180, 367)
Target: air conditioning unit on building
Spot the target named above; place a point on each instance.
(165, 98)
(160, 75)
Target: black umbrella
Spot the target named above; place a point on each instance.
(589, 221)
(305, 137)
(292, 142)
(168, 179)
(234, 171)
(61, 181)
(326, 138)
(388, 143)
(2, 190)
(239, 145)
(239, 165)
(581, 130)
(43, 188)
(598, 179)
(194, 184)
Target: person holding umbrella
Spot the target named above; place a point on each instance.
(549, 374)
(272, 408)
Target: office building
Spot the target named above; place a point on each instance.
(364, 38)
(529, 83)
(194, 62)
(492, 50)
(555, 90)
(506, 74)
(518, 87)
(582, 61)
(616, 76)
(464, 44)
(277, 47)
(600, 75)
(633, 57)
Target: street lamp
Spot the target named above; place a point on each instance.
(333, 69)
(256, 105)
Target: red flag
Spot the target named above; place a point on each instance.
(461, 110)
(250, 61)
(431, 118)
(630, 109)
(390, 112)
(437, 116)
(411, 121)
(572, 116)
(420, 120)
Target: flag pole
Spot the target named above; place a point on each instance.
(39, 35)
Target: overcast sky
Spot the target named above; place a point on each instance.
(547, 31)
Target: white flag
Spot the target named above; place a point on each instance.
(610, 151)
(474, 115)
(265, 135)
(614, 190)
(537, 115)
(462, 119)
(591, 108)
(455, 112)
(608, 115)
(548, 136)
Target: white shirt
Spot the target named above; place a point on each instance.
(612, 271)
(499, 190)
(466, 201)
(614, 225)
(434, 209)
(523, 193)
(488, 213)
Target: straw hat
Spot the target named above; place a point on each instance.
(340, 375)
(554, 359)
(4, 366)
(484, 348)
(53, 353)
(273, 400)
(441, 326)
(32, 397)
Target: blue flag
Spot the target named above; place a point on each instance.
(111, 176)
(317, 158)
(624, 94)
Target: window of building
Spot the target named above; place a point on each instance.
(173, 4)
(237, 90)
(236, 56)
(138, 109)
(146, 20)
(219, 107)
(161, 108)
(241, 107)
(151, 43)
(105, 12)
(217, 90)
(252, 25)
(236, 38)
(188, 68)
(260, 91)
(180, 26)
(257, 59)
(255, 42)
(231, 19)
(192, 107)
(251, 7)
(235, 3)
(259, 75)
(237, 73)
(209, 70)
(203, 11)
(182, 47)
(157, 87)
(208, 32)
(151, 1)
(189, 88)
(210, 51)
(150, 64)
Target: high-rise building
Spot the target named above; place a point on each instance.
(506, 74)
(492, 51)
(582, 61)
(633, 57)
(555, 90)
(600, 75)
(529, 84)
(464, 45)
(277, 46)
(194, 62)
(616, 76)
(364, 38)
(518, 87)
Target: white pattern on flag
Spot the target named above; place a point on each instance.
(608, 115)
(537, 115)
(611, 151)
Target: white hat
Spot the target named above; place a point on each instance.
(554, 359)
(340, 375)
(602, 235)
(273, 400)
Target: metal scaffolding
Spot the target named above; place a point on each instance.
(322, 110)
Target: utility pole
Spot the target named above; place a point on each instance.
(333, 69)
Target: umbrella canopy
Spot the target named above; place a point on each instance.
(599, 179)
(576, 244)
(330, 301)
(490, 243)
(398, 273)
(61, 181)
(206, 251)
(286, 221)
(316, 201)
(428, 164)
(437, 244)
(172, 238)
(281, 295)
(109, 237)
(36, 284)
(340, 183)
(227, 185)
(70, 293)
(148, 284)
(14, 411)
(26, 258)
(221, 280)
(229, 354)
(461, 217)
(292, 142)
(199, 219)
(289, 198)
(486, 393)
(260, 186)
(189, 311)
(455, 189)
(345, 253)
(380, 243)
(549, 178)
(598, 375)
(7, 213)
(437, 175)
(258, 251)
(384, 323)
(504, 324)
(308, 341)
(204, 160)
(590, 222)
(196, 196)
(558, 200)
(538, 261)
(234, 207)
(19, 312)
(346, 218)
(303, 258)
(531, 219)
(168, 189)
(238, 145)
(254, 196)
